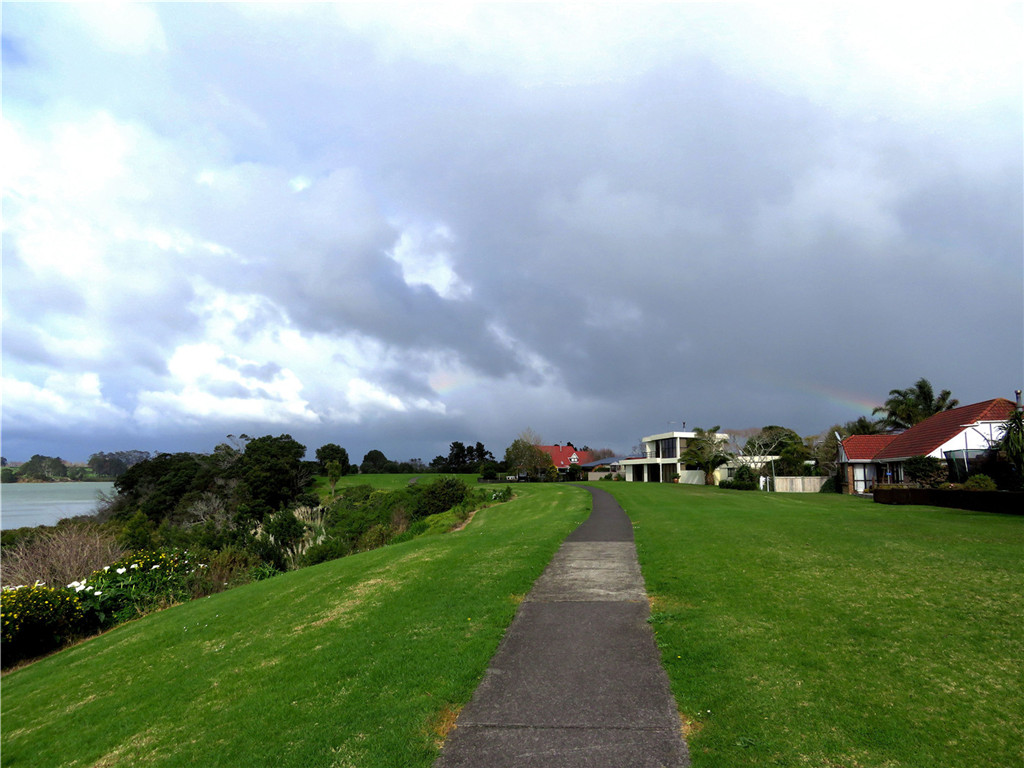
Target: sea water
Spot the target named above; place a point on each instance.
(23, 504)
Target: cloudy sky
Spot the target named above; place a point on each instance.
(392, 226)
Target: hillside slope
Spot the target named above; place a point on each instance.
(362, 661)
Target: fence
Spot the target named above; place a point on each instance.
(799, 484)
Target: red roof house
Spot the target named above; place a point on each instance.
(565, 456)
(959, 434)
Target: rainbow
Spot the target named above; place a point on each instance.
(853, 401)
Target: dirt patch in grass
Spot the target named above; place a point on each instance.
(689, 726)
(442, 723)
(464, 523)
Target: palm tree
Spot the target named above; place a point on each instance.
(906, 407)
(706, 451)
(863, 426)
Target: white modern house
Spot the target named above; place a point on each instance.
(661, 460)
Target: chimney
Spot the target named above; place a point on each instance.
(1019, 406)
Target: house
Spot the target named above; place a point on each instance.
(608, 466)
(660, 462)
(957, 435)
(566, 456)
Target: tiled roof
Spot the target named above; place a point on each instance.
(926, 436)
(865, 447)
(562, 454)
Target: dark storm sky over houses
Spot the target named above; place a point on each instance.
(394, 227)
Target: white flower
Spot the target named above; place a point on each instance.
(72, 585)
(97, 592)
(121, 570)
(106, 567)
(155, 568)
(135, 565)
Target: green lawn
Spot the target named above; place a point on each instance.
(362, 661)
(797, 630)
(828, 631)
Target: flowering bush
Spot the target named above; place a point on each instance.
(136, 585)
(38, 619)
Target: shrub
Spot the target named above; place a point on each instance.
(230, 567)
(505, 494)
(376, 536)
(442, 494)
(926, 471)
(58, 555)
(38, 619)
(980, 483)
(331, 549)
(138, 584)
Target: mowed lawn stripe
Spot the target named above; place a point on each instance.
(361, 661)
(829, 631)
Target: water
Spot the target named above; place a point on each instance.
(24, 504)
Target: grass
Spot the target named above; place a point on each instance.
(822, 630)
(363, 661)
(797, 630)
(385, 481)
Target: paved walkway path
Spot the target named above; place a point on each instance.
(577, 681)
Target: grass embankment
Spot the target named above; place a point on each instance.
(828, 631)
(384, 481)
(362, 661)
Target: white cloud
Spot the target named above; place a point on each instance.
(201, 372)
(424, 255)
(62, 401)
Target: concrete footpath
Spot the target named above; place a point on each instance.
(577, 681)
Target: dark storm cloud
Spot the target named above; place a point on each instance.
(695, 239)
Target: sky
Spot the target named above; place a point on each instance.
(395, 226)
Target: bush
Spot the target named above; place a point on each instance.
(38, 619)
(503, 495)
(138, 584)
(442, 494)
(58, 555)
(926, 471)
(328, 550)
(376, 536)
(980, 483)
(230, 567)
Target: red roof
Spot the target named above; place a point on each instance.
(562, 455)
(865, 447)
(924, 437)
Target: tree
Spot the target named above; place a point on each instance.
(374, 462)
(1012, 444)
(334, 473)
(706, 451)
(44, 468)
(770, 441)
(906, 407)
(462, 459)
(524, 455)
(272, 475)
(116, 463)
(333, 452)
(862, 425)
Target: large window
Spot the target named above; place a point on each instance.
(667, 448)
